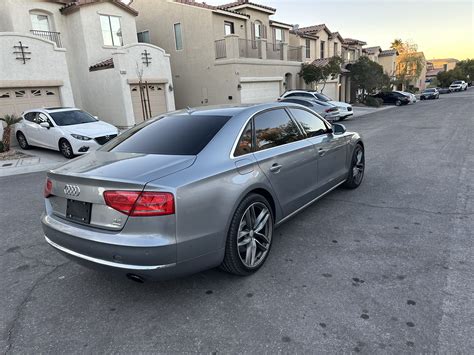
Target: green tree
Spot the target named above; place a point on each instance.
(410, 62)
(465, 70)
(368, 76)
(9, 121)
(445, 78)
(315, 75)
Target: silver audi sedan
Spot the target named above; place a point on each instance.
(196, 189)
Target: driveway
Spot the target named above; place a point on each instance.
(386, 268)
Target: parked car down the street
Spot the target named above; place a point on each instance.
(326, 110)
(196, 189)
(344, 108)
(458, 85)
(410, 95)
(68, 130)
(429, 94)
(443, 90)
(392, 97)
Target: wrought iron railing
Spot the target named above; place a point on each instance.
(49, 35)
(295, 54)
(275, 51)
(249, 48)
(220, 49)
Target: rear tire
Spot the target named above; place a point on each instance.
(22, 142)
(66, 149)
(249, 239)
(398, 103)
(357, 169)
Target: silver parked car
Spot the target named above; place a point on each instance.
(324, 109)
(196, 189)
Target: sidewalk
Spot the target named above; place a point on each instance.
(36, 159)
(366, 110)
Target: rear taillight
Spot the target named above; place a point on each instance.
(140, 204)
(48, 187)
(332, 109)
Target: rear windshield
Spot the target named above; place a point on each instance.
(458, 82)
(171, 135)
(69, 118)
(430, 90)
(322, 97)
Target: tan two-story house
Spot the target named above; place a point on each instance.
(233, 53)
(82, 53)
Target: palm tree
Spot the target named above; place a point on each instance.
(9, 120)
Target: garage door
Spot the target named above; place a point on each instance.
(17, 100)
(331, 90)
(152, 98)
(260, 91)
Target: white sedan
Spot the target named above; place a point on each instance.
(68, 130)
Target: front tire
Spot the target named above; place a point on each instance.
(398, 103)
(250, 236)
(66, 149)
(356, 172)
(22, 142)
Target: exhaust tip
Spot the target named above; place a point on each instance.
(135, 278)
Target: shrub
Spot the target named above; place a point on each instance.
(373, 101)
(2, 149)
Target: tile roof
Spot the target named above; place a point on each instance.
(434, 72)
(245, 2)
(320, 62)
(388, 52)
(74, 4)
(372, 50)
(352, 41)
(315, 28)
(203, 5)
(104, 64)
(302, 34)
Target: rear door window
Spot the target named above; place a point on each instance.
(274, 128)
(181, 134)
(245, 144)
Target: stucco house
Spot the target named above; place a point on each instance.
(409, 69)
(232, 53)
(319, 45)
(82, 53)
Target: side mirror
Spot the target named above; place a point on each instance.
(338, 128)
(45, 125)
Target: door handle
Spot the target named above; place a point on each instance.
(275, 168)
(321, 152)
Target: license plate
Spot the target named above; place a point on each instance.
(78, 211)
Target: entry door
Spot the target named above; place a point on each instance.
(285, 157)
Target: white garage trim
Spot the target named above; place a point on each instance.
(29, 83)
(251, 79)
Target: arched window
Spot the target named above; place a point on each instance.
(258, 30)
(41, 21)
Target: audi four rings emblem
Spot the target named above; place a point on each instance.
(72, 190)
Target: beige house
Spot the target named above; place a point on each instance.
(80, 53)
(444, 64)
(232, 53)
(320, 44)
(415, 81)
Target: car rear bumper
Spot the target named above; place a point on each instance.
(155, 261)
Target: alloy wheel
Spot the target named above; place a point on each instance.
(66, 149)
(22, 141)
(358, 169)
(254, 235)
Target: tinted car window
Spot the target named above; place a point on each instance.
(311, 124)
(301, 102)
(301, 94)
(322, 97)
(68, 118)
(42, 118)
(171, 135)
(274, 128)
(245, 142)
(30, 116)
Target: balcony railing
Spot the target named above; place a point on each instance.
(275, 51)
(49, 35)
(220, 49)
(249, 48)
(295, 54)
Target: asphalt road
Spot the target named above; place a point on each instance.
(386, 268)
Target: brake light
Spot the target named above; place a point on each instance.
(332, 109)
(48, 188)
(140, 204)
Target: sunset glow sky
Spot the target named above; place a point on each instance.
(441, 28)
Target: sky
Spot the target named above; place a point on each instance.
(440, 28)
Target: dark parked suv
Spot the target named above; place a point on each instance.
(392, 97)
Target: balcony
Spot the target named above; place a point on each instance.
(234, 47)
(49, 35)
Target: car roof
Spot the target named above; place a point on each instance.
(308, 99)
(51, 109)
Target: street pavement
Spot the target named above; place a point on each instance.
(386, 268)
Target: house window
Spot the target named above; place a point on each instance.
(111, 30)
(323, 45)
(40, 22)
(178, 37)
(143, 37)
(279, 36)
(336, 49)
(228, 28)
(308, 48)
(258, 30)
